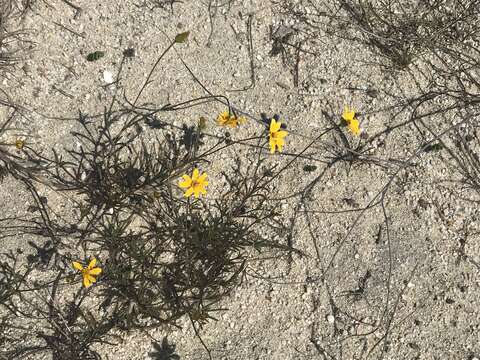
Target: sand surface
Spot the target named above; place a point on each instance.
(419, 289)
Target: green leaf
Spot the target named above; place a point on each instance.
(202, 123)
(182, 37)
(433, 147)
(309, 168)
(95, 55)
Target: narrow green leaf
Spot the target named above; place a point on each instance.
(202, 123)
(182, 37)
(309, 168)
(433, 147)
(95, 55)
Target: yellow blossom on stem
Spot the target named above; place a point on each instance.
(276, 136)
(227, 118)
(352, 122)
(89, 272)
(194, 185)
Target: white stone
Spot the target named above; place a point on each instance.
(108, 76)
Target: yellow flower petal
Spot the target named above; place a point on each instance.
(77, 266)
(202, 178)
(281, 134)
(223, 118)
(95, 271)
(275, 126)
(272, 147)
(196, 192)
(185, 183)
(189, 192)
(91, 279)
(354, 126)
(280, 143)
(195, 174)
(348, 114)
(232, 123)
(86, 281)
(92, 263)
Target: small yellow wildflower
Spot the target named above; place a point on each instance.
(352, 122)
(195, 184)
(19, 144)
(229, 119)
(88, 272)
(276, 138)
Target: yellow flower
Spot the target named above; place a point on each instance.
(88, 272)
(352, 122)
(276, 139)
(229, 119)
(19, 144)
(195, 184)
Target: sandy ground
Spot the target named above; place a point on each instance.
(432, 304)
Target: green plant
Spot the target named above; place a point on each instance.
(162, 255)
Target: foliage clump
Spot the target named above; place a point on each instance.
(152, 254)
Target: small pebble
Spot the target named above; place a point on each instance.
(108, 76)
